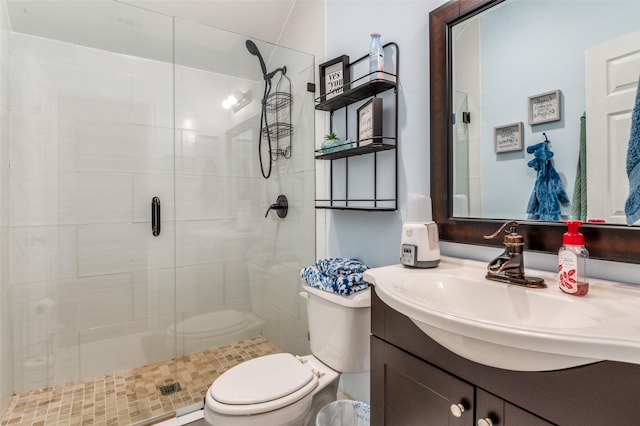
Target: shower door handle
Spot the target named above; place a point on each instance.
(155, 216)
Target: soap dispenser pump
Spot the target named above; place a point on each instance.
(572, 261)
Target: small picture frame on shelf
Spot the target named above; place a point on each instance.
(545, 107)
(370, 122)
(508, 138)
(335, 77)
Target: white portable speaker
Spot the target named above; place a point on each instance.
(420, 247)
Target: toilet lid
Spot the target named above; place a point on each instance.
(262, 379)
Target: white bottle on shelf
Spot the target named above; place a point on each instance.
(376, 58)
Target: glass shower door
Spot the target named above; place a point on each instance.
(238, 269)
(91, 147)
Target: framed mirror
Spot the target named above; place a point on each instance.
(606, 241)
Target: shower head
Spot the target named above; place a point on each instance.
(253, 49)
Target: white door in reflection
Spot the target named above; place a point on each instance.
(612, 70)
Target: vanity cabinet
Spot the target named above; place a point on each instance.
(415, 381)
(415, 392)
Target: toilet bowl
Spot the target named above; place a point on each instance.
(212, 329)
(284, 389)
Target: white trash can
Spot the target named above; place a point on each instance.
(344, 412)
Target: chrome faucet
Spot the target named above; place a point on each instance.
(508, 267)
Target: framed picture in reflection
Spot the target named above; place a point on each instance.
(545, 107)
(508, 138)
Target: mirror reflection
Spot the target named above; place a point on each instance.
(543, 91)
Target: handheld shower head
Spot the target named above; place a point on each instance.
(253, 49)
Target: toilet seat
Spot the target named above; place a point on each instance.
(262, 384)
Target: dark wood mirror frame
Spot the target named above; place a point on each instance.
(608, 242)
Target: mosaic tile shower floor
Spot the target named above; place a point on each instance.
(131, 396)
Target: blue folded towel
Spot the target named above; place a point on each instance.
(340, 266)
(336, 275)
(548, 192)
(632, 205)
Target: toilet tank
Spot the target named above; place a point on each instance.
(339, 328)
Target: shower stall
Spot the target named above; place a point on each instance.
(135, 204)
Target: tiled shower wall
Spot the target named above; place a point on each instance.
(6, 382)
(92, 141)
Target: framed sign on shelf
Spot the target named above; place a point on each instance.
(335, 77)
(370, 122)
(508, 138)
(545, 107)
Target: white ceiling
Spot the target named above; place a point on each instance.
(123, 26)
(71, 20)
(261, 19)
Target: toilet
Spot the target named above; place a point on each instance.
(284, 389)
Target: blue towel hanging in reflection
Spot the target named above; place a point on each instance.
(632, 206)
(548, 192)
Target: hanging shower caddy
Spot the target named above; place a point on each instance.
(278, 106)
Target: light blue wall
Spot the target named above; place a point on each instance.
(544, 52)
(375, 237)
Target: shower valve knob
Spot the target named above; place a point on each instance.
(281, 206)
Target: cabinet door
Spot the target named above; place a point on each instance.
(491, 410)
(416, 393)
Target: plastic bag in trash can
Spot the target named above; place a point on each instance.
(344, 412)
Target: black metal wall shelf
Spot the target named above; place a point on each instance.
(355, 91)
(359, 149)
(362, 209)
(363, 91)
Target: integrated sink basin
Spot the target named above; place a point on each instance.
(514, 327)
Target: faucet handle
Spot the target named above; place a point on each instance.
(281, 206)
(512, 224)
(509, 266)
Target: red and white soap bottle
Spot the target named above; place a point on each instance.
(572, 261)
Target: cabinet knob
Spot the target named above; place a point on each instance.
(485, 422)
(457, 410)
